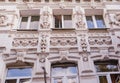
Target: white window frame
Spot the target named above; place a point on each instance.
(18, 78)
(62, 19)
(107, 74)
(94, 22)
(28, 22)
(65, 77)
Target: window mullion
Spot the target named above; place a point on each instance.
(28, 23)
(18, 80)
(94, 21)
(109, 78)
(20, 21)
(62, 21)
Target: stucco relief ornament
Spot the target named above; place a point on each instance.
(20, 56)
(45, 17)
(117, 17)
(83, 44)
(43, 44)
(3, 19)
(78, 13)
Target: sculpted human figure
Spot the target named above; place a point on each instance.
(79, 17)
(2, 19)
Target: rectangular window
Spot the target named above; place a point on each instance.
(21, 75)
(95, 21)
(30, 22)
(63, 21)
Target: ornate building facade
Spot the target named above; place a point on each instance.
(59, 41)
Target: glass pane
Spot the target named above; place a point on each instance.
(11, 81)
(72, 70)
(72, 80)
(103, 79)
(87, 0)
(97, 0)
(46, 0)
(58, 21)
(90, 23)
(34, 22)
(24, 21)
(12, 0)
(115, 78)
(36, 0)
(24, 81)
(58, 71)
(67, 21)
(108, 0)
(58, 80)
(100, 21)
(18, 72)
(56, 0)
(68, 0)
(2, 0)
(25, 0)
(106, 66)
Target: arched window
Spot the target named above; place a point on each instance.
(64, 73)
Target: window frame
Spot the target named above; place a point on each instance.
(28, 23)
(108, 76)
(18, 78)
(94, 20)
(108, 73)
(65, 77)
(63, 21)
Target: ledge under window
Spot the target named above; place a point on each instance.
(63, 28)
(98, 28)
(27, 29)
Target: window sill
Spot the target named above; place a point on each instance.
(98, 28)
(27, 29)
(63, 28)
